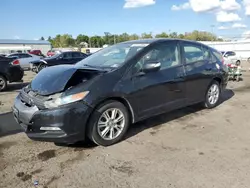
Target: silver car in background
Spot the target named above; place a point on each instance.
(230, 57)
(24, 59)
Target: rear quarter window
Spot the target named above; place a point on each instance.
(217, 55)
(194, 52)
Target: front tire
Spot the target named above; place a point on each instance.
(238, 63)
(213, 94)
(3, 83)
(108, 124)
(41, 67)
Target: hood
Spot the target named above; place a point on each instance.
(59, 78)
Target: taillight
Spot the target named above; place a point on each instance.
(15, 62)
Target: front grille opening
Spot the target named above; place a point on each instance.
(26, 104)
(37, 100)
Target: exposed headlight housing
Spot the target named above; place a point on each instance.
(65, 100)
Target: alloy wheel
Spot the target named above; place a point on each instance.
(111, 124)
(2, 83)
(213, 94)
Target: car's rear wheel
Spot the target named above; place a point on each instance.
(41, 67)
(213, 95)
(108, 123)
(238, 63)
(3, 83)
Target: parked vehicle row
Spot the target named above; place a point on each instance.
(10, 71)
(70, 57)
(230, 57)
(24, 59)
(102, 95)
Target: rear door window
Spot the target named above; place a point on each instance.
(194, 52)
(14, 55)
(77, 55)
(67, 55)
(25, 55)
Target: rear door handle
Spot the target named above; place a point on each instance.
(179, 77)
(208, 69)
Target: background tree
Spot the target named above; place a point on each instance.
(181, 36)
(146, 35)
(162, 35)
(66, 40)
(82, 38)
(42, 38)
(173, 35)
(123, 37)
(96, 41)
(134, 37)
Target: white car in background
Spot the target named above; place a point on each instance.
(230, 57)
(25, 59)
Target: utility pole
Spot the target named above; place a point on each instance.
(89, 42)
(212, 28)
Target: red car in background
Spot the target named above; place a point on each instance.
(51, 53)
(36, 52)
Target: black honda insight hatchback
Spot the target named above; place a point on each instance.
(102, 95)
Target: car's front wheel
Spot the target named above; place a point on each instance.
(41, 67)
(3, 83)
(213, 95)
(109, 123)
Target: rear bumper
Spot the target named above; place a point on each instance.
(70, 122)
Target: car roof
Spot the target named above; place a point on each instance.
(146, 41)
(156, 40)
(70, 51)
(18, 53)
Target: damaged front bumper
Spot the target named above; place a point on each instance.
(65, 124)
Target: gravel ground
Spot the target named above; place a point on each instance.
(188, 148)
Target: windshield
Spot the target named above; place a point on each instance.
(113, 56)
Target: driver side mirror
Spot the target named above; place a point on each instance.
(151, 66)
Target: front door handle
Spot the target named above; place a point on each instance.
(179, 77)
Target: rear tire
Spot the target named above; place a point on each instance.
(238, 63)
(3, 83)
(238, 78)
(213, 94)
(108, 124)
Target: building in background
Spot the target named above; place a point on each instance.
(240, 47)
(13, 45)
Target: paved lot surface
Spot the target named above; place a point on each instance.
(188, 148)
